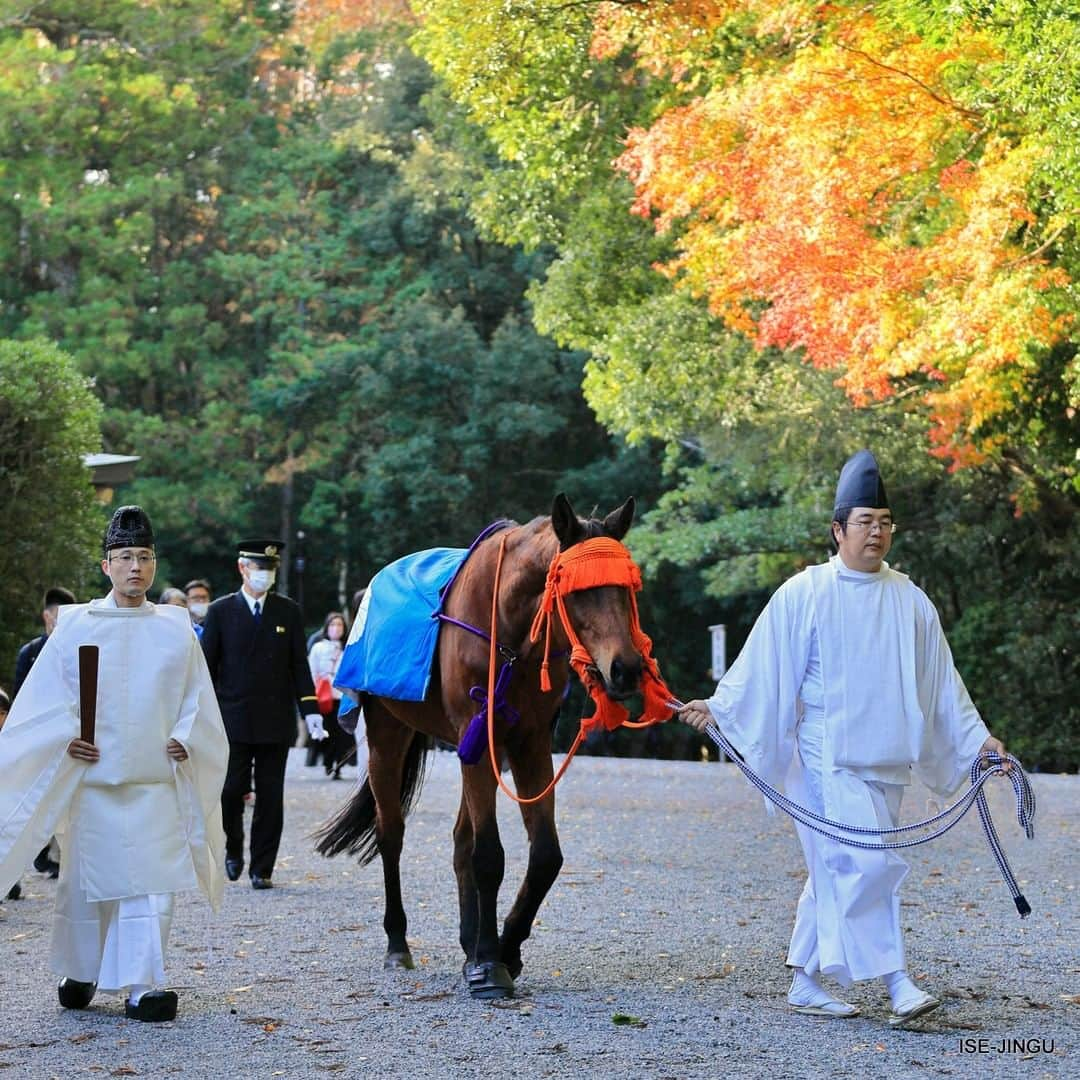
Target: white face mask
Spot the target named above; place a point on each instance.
(261, 580)
(198, 610)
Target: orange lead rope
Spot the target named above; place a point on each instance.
(586, 565)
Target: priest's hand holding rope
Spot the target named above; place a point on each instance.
(84, 751)
(996, 746)
(176, 750)
(696, 714)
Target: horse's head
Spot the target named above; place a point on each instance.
(601, 615)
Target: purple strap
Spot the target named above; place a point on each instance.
(490, 530)
(474, 741)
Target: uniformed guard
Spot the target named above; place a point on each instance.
(254, 645)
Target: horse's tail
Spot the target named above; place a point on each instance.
(352, 828)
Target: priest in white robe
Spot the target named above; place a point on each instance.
(845, 686)
(138, 809)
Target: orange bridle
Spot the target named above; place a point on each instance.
(587, 565)
(592, 564)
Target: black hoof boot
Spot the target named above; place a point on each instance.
(488, 981)
(154, 1007)
(399, 960)
(74, 994)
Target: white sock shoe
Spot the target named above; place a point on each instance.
(908, 1001)
(136, 992)
(808, 996)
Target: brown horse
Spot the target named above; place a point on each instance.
(400, 732)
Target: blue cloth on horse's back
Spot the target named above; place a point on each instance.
(392, 656)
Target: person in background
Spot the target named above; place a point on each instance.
(350, 711)
(847, 679)
(316, 748)
(198, 595)
(175, 597)
(254, 645)
(323, 659)
(53, 600)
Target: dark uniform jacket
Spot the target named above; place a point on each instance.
(25, 661)
(260, 674)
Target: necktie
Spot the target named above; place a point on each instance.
(256, 612)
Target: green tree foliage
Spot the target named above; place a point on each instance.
(755, 439)
(308, 332)
(49, 418)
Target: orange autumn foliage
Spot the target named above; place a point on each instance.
(839, 201)
(316, 25)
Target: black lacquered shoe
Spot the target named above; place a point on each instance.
(74, 994)
(261, 882)
(154, 1007)
(233, 868)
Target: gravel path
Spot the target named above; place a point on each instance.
(673, 909)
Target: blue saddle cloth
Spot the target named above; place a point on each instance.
(392, 655)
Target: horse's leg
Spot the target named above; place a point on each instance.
(468, 903)
(485, 974)
(530, 762)
(388, 744)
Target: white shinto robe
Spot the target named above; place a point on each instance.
(845, 684)
(135, 826)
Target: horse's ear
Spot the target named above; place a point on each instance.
(564, 521)
(617, 523)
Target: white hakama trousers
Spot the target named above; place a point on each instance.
(848, 919)
(115, 943)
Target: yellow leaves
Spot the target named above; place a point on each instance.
(819, 188)
(667, 37)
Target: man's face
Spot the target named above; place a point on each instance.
(198, 595)
(48, 617)
(866, 539)
(131, 571)
(258, 576)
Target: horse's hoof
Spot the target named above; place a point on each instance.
(488, 981)
(399, 960)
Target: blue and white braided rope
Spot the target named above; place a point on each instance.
(980, 773)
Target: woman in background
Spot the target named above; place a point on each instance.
(323, 659)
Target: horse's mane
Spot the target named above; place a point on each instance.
(593, 526)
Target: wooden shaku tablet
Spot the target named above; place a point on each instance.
(88, 679)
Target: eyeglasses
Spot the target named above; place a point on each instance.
(869, 526)
(127, 558)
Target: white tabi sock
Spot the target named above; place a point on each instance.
(901, 989)
(806, 990)
(807, 995)
(136, 992)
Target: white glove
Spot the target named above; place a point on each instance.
(315, 728)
